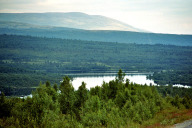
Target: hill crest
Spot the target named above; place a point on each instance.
(77, 20)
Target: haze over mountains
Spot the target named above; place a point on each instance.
(72, 19)
(81, 26)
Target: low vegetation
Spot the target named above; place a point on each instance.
(118, 103)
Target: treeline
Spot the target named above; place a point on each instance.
(114, 104)
(26, 60)
(174, 91)
(183, 77)
(17, 84)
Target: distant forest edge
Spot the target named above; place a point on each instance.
(95, 35)
(26, 60)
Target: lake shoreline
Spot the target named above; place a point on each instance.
(107, 74)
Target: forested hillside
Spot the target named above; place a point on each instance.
(114, 104)
(26, 60)
(94, 35)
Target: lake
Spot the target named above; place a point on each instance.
(94, 79)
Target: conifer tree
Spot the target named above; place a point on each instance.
(67, 96)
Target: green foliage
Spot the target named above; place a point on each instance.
(113, 89)
(100, 107)
(105, 92)
(82, 94)
(120, 99)
(55, 87)
(173, 91)
(48, 85)
(67, 96)
(26, 60)
(5, 106)
(183, 77)
(187, 102)
(32, 112)
(120, 76)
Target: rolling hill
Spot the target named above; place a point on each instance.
(18, 28)
(72, 19)
(81, 26)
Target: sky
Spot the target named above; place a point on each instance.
(159, 16)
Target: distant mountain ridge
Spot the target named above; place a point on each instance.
(20, 25)
(51, 25)
(72, 20)
(17, 28)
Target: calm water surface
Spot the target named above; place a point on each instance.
(92, 81)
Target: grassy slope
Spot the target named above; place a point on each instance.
(168, 118)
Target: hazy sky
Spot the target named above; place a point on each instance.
(160, 16)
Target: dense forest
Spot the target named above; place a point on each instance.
(172, 77)
(114, 104)
(26, 60)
